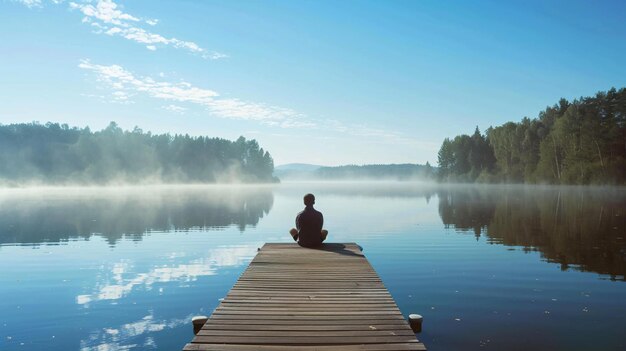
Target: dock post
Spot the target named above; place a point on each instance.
(415, 321)
(198, 322)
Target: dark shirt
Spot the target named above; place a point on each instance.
(309, 224)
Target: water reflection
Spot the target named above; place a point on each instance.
(124, 277)
(138, 294)
(116, 339)
(33, 217)
(580, 228)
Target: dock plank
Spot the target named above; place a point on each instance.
(327, 298)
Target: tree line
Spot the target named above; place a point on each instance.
(57, 154)
(406, 171)
(577, 142)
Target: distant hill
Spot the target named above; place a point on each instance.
(295, 171)
(406, 171)
(297, 167)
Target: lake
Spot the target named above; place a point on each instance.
(489, 267)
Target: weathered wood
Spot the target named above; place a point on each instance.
(312, 328)
(314, 321)
(329, 298)
(360, 347)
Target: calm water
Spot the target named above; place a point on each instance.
(488, 267)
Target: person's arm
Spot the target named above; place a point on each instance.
(298, 222)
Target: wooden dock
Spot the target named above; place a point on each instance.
(323, 299)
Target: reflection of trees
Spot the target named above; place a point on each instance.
(129, 214)
(581, 227)
(469, 209)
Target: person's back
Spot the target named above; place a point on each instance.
(309, 225)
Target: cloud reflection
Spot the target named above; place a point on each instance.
(122, 281)
(117, 339)
(121, 284)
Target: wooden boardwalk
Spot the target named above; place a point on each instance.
(292, 298)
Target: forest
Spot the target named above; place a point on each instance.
(577, 142)
(32, 153)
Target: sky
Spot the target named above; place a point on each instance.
(320, 82)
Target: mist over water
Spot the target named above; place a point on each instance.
(489, 267)
(60, 214)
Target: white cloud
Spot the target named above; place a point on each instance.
(30, 3)
(106, 11)
(107, 17)
(121, 96)
(125, 83)
(139, 35)
(214, 55)
(174, 108)
(36, 3)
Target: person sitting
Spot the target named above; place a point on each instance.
(309, 222)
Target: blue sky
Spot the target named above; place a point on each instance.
(323, 82)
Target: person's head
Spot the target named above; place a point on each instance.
(309, 199)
